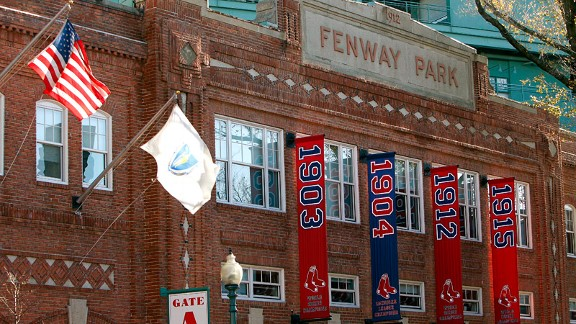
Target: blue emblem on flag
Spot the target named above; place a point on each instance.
(182, 161)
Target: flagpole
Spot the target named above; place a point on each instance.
(119, 157)
(34, 40)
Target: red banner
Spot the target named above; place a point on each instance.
(314, 285)
(504, 254)
(448, 260)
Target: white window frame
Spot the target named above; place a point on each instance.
(467, 205)
(519, 216)
(108, 151)
(478, 290)
(422, 307)
(2, 131)
(572, 309)
(501, 86)
(229, 163)
(356, 292)
(530, 304)
(420, 194)
(249, 281)
(570, 230)
(341, 183)
(53, 105)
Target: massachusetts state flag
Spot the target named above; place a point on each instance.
(185, 166)
(64, 68)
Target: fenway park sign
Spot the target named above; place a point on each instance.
(378, 43)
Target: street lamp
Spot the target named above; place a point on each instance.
(231, 276)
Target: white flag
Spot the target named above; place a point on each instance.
(185, 166)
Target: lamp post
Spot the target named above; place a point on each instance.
(231, 276)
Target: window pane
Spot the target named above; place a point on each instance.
(92, 165)
(221, 139)
(342, 297)
(221, 188)
(274, 189)
(247, 183)
(472, 222)
(400, 176)
(410, 301)
(415, 212)
(471, 188)
(523, 235)
(266, 291)
(401, 211)
(272, 140)
(414, 179)
(570, 243)
(347, 167)
(332, 199)
(331, 160)
(461, 188)
(48, 161)
(349, 202)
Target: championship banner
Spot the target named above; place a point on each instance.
(504, 254)
(314, 290)
(448, 260)
(383, 237)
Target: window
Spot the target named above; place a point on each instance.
(472, 298)
(411, 296)
(96, 146)
(526, 305)
(570, 237)
(572, 310)
(250, 159)
(500, 86)
(469, 205)
(260, 284)
(263, 12)
(343, 290)
(523, 214)
(51, 150)
(409, 194)
(340, 173)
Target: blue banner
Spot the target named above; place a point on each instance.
(383, 237)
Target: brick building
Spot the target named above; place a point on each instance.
(419, 94)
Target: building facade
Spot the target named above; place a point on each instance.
(369, 78)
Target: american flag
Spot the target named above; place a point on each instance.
(64, 68)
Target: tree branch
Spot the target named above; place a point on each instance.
(529, 31)
(543, 64)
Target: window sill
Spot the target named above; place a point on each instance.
(52, 184)
(410, 231)
(344, 306)
(234, 207)
(415, 310)
(275, 301)
(343, 221)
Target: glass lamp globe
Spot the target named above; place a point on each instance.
(231, 272)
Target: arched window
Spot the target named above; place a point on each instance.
(96, 149)
(51, 142)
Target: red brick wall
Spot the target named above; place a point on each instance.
(137, 56)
